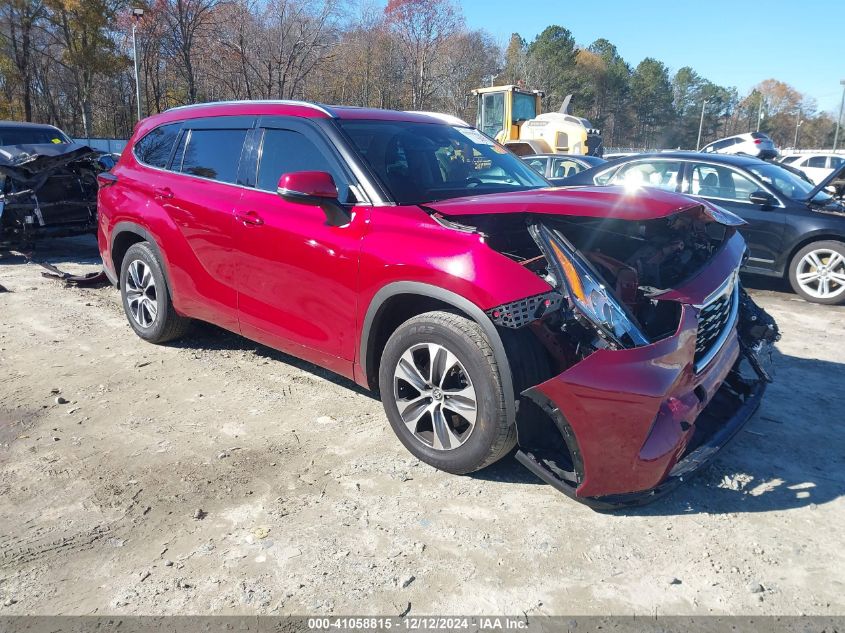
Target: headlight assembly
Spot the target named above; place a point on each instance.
(586, 292)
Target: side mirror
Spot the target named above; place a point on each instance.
(763, 198)
(315, 188)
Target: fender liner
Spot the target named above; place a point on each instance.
(131, 227)
(461, 303)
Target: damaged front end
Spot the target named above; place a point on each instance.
(47, 191)
(653, 347)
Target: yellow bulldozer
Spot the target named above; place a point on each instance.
(511, 115)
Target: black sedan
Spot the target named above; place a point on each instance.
(795, 229)
(554, 166)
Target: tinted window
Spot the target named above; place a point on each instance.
(817, 161)
(662, 174)
(760, 135)
(790, 159)
(154, 149)
(214, 154)
(715, 181)
(836, 161)
(285, 152)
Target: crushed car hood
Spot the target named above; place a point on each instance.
(28, 164)
(609, 202)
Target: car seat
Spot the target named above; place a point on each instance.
(709, 186)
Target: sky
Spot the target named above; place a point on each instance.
(730, 42)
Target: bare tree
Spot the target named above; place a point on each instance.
(422, 26)
(21, 18)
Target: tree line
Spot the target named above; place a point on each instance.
(70, 63)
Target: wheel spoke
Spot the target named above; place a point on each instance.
(462, 402)
(412, 410)
(147, 279)
(134, 277)
(834, 260)
(824, 287)
(407, 370)
(444, 438)
(442, 360)
(152, 308)
(838, 278)
(814, 259)
(812, 276)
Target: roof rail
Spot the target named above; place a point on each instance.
(306, 104)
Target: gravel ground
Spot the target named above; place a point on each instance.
(215, 475)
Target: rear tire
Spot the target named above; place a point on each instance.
(817, 272)
(439, 369)
(146, 297)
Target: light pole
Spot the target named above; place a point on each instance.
(137, 14)
(797, 127)
(760, 113)
(700, 126)
(839, 120)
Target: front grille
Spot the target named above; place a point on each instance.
(714, 321)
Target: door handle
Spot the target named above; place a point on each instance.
(163, 193)
(250, 218)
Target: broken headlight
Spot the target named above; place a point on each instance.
(588, 295)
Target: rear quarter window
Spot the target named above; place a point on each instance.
(155, 147)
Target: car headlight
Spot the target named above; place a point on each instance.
(589, 296)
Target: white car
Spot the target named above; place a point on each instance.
(754, 144)
(816, 166)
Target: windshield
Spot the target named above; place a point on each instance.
(786, 182)
(26, 135)
(424, 162)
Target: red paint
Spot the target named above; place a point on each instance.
(309, 183)
(273, 270)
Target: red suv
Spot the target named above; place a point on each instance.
(602, 331)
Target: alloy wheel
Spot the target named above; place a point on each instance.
(435, 396)
(141, 295)
(821, 273)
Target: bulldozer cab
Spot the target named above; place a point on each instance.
(502, 108)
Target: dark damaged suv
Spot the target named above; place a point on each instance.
(605, 334)
(48, 184)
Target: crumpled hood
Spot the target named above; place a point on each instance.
(28, 164)
(608, 202)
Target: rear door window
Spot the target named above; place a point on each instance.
(662, 174)
(817, 161)
(717, 181)
(155, 147)
(213, 154)
(565, 167)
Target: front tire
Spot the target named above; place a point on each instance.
(146, 298)
(442, 392)
(817, 272)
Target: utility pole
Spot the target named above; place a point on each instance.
(760, 113)
(797, 127)
(839, 120)
(137, 14)
(700, 126)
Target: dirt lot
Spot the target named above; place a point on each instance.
(218, 476)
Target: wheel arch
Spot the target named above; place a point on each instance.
(396, 302)
(124, 235)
